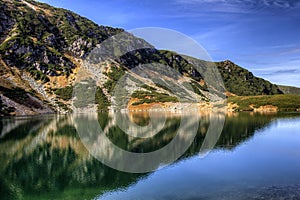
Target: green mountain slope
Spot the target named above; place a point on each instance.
(241, 82)
(42, 49)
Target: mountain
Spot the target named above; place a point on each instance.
(289, 89)
(42, 49)
(241, 82)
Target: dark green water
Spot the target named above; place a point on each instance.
(256, 157)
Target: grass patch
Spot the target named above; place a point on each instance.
(147, 87)
(152, 97)
(284, 102)
(114, 75)
(63, 106)
(64, 93)
(101, 100)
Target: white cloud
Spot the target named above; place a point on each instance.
(241, 6)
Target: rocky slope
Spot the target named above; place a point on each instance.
(42, 49)
(289, 89)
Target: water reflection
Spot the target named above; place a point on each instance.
(43, 157)
(174, 133)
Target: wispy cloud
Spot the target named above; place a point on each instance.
(287, 67)
(240, 6)
(276, 51)
(282, 72)
(214, 32)
(280, 3)
(289, 51)
(267, 3)
(213, 5)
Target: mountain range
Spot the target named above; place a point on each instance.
(42, 49)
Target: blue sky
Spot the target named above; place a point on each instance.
(260, 35)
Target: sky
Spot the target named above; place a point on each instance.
(262, 36)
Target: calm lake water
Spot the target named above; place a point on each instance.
(256, 156)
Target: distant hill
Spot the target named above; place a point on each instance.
(241, 82)
(289, 89)
(42, 48)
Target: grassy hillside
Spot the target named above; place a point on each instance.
(41, 48)
(240, 81)
(284, 102)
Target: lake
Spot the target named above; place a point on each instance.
(254, 156)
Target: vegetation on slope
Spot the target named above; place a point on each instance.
(163, 57)
(284, 102)
(64, 93)
(241, 82)
(114, 75)
(47, 42)
(101, 100)
(88, 93)
(37, 40)
(152, 97)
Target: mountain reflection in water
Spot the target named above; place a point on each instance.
(43, 157)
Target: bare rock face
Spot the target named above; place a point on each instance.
(31, 107)
(79, 46)
(266, 108)
(6, 22)
(51, 40)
